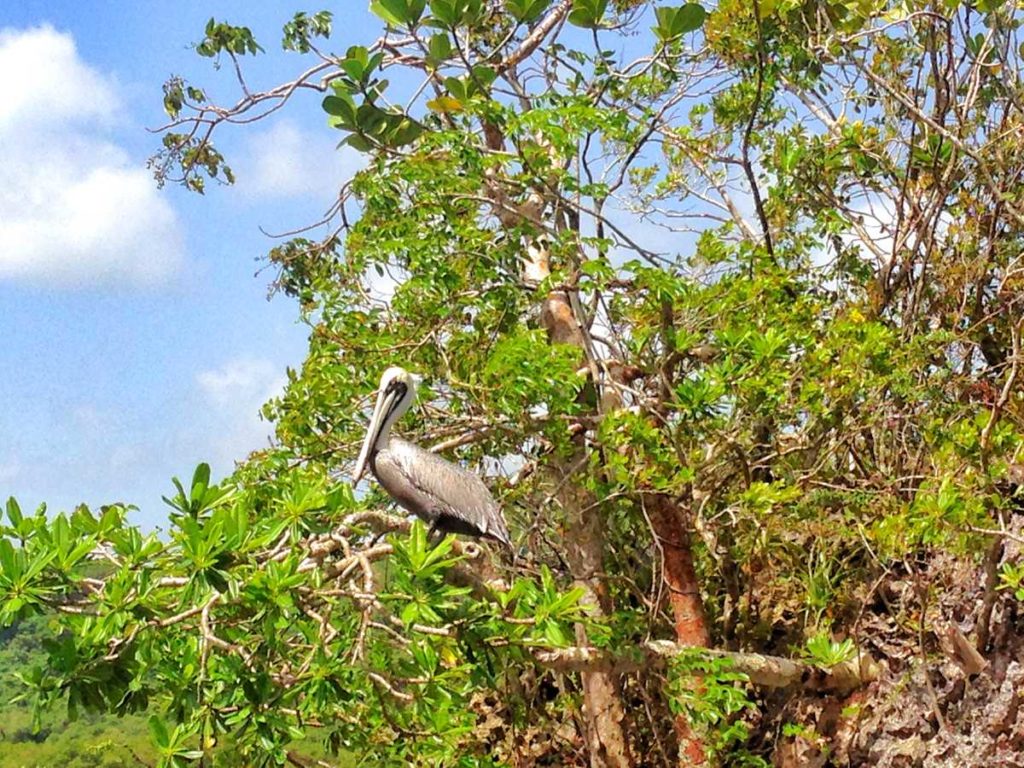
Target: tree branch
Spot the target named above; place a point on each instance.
(761, 670)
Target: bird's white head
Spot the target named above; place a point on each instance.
(394, 397)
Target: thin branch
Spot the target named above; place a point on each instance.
(748, 168)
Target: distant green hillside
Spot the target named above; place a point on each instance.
(92, 741)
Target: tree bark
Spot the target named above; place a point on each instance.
(605, 714)
(670, 527)
(761, 670)
(680, 578)
(673, 539)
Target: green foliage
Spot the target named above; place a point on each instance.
(195, 157)
(369, 124)
(399, 13)
(1012, 578)
(92, 741)
(823, 651)
(302, 29)
(713, 698)
(526, 11)
(673, 22)
(822, 393)
(588, 13)
(223, 37)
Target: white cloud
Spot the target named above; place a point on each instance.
(44, 80)
(381, 286)
(877, 230)
(74, 210)
(9, 470)
(233, 395)
(285, 161)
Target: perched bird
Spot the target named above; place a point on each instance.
(444, 495)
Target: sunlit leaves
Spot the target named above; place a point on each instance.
(353, 105)
(20, 594)
(445, 104)
(588, 13)
(370, 126)
(341, 106)
(221, 36)
(358, 65)
(303, 28)
(14, 513)
(439, 49)
(399, 13)
(676, 21)
(173, 744)
(202, 496)
(455, 13)
(712, 696)
(526, 11)
(526, 372)
(822, 650)
(1011, 577)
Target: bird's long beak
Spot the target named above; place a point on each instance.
(385, 404)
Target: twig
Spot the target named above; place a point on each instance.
(748, 169)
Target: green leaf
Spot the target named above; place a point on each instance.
(439, 48)
(665, 15)
(526, 11)
(410, 614)
(399, 13)
(341, 107)
(483, 76)
(353, 68)
(39, 562)
(405, 132)
(444, 11)
(673, 22)
(566, 602)
(158, 732)
(359, 143)
(392, 11)
(689, 18)
(14, 512)
(553, 634)
(416, 547)
(200, 481)
(9, 565)
(588, 14)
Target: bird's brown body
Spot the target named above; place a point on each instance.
(447, 497)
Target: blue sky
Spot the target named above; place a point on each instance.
(135, 337)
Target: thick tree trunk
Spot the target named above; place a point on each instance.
(673, 540)
(605, 714)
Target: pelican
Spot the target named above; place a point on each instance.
(442, 494)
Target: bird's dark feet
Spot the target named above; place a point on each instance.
(441, 534)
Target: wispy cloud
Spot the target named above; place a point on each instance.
(9, 470)
(285, 161)
(233, 394)
(73, 209)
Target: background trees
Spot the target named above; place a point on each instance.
(725, 302)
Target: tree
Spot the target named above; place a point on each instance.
(727, 305)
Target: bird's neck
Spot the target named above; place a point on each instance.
(383, 437)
